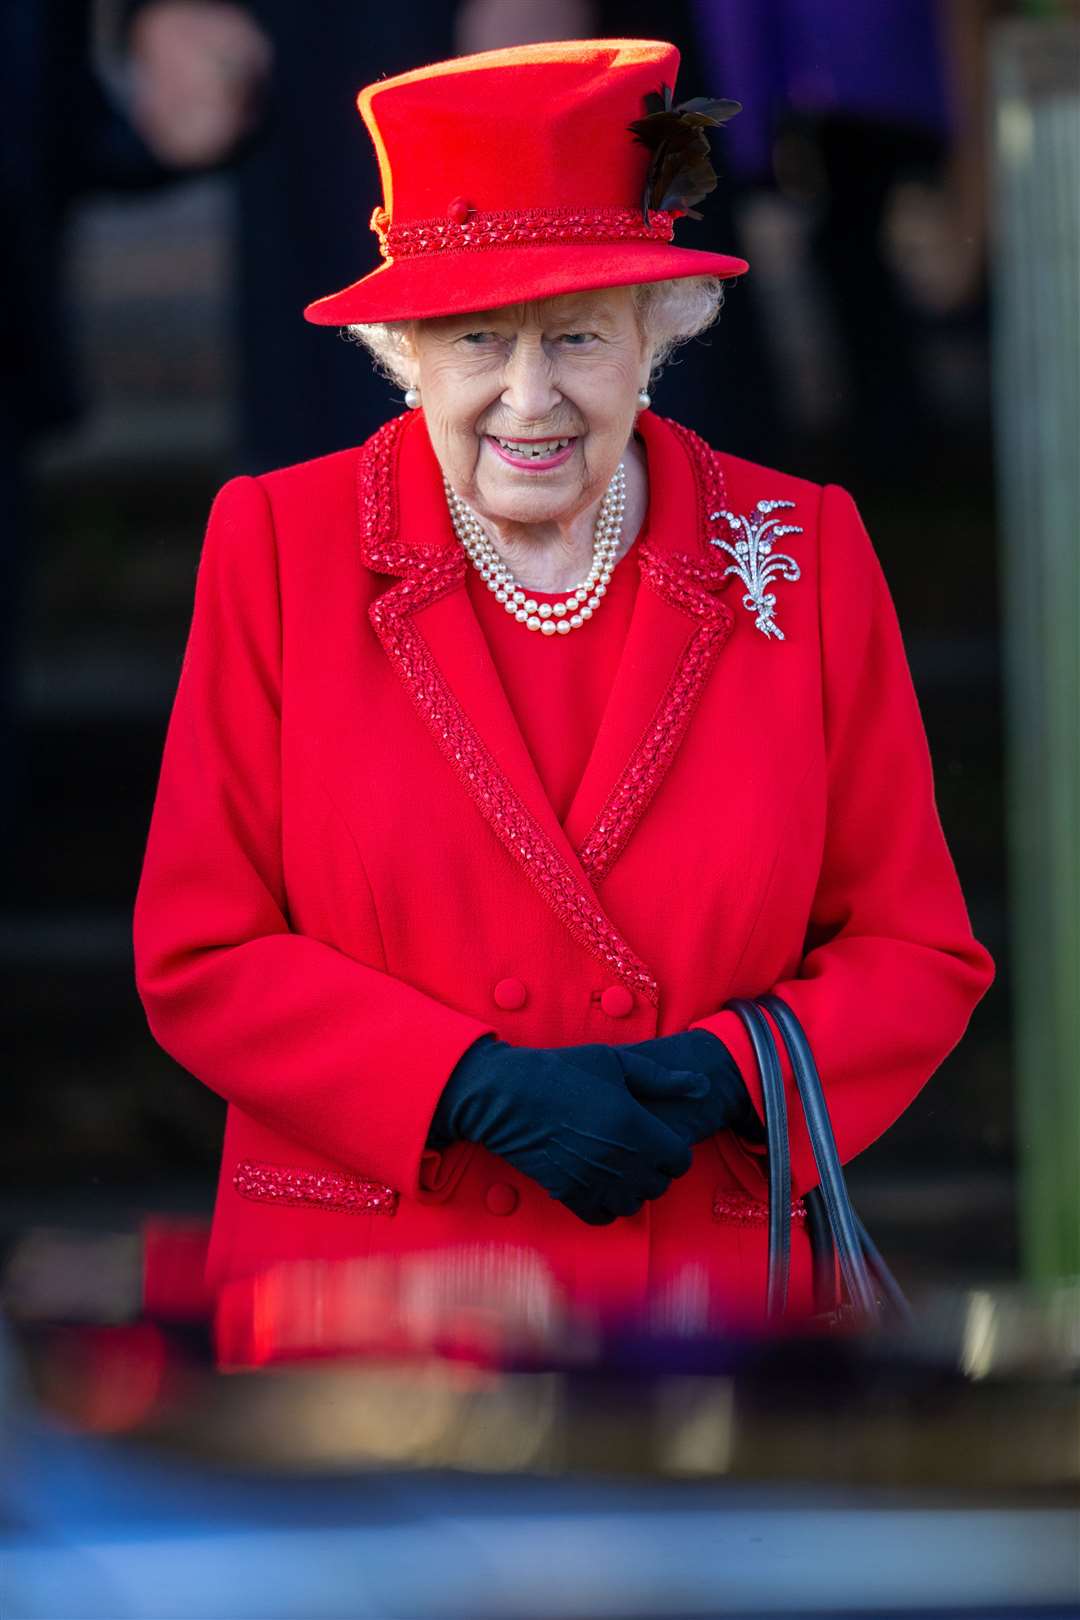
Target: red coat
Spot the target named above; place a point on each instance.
(352, 871)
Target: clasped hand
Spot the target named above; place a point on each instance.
(600, 1128)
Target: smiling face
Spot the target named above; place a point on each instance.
(530, 408)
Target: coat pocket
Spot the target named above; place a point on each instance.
(440, 1172)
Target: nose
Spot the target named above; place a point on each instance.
(529, 390)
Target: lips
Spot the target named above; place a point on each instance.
(534, 454)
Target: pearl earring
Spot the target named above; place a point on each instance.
(412, 398)
(644, 400)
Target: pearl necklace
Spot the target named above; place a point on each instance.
(550, 618)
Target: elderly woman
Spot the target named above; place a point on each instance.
(513, 743)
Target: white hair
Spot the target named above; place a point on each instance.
(668, 312)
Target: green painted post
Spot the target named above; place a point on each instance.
(1035, 74)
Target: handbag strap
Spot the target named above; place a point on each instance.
(891, 1291)
(779, 1153)
(842, 1217)
(822, 1252)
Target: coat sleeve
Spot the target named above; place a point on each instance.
(891, 972)
(331, 1052)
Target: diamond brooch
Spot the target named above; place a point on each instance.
(755, 561)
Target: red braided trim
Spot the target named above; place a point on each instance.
(740, 1210)
(712, 492)
(518, 228)
(327, 1189)
(377, 497)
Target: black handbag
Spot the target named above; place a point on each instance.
(836, 1233)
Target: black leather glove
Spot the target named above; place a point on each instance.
(724, 1105)
(565, 1117)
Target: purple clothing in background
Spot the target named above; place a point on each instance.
(881, 60)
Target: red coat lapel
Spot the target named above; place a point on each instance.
(433, 640)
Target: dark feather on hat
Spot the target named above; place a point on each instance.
(681, 171)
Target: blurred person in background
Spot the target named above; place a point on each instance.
(843, 106)
(512, 743)
(61, 138)
(871, 123)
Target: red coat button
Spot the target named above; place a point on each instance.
(510, 993)
(459, 210)
(501, 1198)
(617, 1001)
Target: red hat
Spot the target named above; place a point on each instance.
(512, 175)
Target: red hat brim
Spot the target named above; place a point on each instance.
(457, 282)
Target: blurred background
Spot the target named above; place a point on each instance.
(178, 177)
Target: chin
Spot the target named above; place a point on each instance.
(518, 501)
(530, 515)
